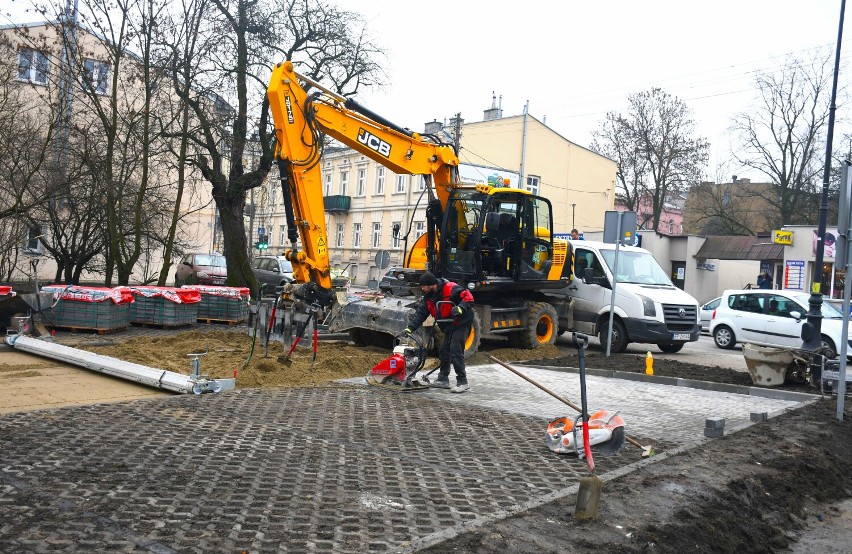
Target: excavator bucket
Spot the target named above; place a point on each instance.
(386, 315)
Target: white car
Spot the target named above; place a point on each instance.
(771, 318)
(705, 314)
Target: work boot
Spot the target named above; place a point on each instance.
(440, 384)
(460, 388)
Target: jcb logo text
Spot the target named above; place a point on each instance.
(373, 142)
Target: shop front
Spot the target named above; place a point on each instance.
(800, 259)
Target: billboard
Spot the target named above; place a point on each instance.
(482, 175)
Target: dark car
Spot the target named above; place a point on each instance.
(394, 282)
(273, 271)
(201, 269)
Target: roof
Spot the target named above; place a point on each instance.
(740, 248)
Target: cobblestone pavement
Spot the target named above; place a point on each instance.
(334, 469)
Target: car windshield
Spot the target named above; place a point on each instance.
(636, 267)
(828, 310)
(210, 260)
(285, 265)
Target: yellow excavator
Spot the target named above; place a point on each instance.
(496, 241)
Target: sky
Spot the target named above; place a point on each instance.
(574, 61)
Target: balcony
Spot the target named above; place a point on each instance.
(337, 204)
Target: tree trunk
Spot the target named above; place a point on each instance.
(231, 209)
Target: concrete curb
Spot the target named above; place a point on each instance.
(690, 383)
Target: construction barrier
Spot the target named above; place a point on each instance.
(166, 306)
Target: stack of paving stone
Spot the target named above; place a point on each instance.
(222, 304)
(165, 306)
(98, 309)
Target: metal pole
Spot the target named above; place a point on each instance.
(614, 281)
(523, 183)
(811, 331)
(842, 258)
(572, 216)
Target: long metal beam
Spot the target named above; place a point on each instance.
(150, 376)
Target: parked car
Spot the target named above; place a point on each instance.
(394, 282)
(201, 269)
(705, 313)
(273, 271)
(770, 318)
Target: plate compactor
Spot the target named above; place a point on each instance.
(399, 371)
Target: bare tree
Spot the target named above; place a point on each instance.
(611, 141)
(656, 142)
(26, 137)
(782, 136)
(236, 42)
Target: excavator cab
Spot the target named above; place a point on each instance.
(494, 235)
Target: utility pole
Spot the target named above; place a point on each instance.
(572, 216)
(523, 183)
(811, 331)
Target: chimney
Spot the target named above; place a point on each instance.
(494, 112)
(734, 179)
(433, 127)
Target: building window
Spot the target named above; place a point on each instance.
(356, 235)
(339, 235)
(400, 183)
(96, 76)
(671, 226)
(32, 66)
(419, 229)
(377, 235)
(380, 180)
(344, 181)
(422, 186)
(362, 182)
(282, 229)
(327, 184)
(532, 184)
(396, 239)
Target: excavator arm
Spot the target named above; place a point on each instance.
(300, 120)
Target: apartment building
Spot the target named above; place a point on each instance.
(39, 55)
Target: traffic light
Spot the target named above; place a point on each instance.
(262, 242)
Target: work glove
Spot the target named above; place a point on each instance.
(407, 332)
(457, 311)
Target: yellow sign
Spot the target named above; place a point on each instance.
(783, 237)
(320, 246)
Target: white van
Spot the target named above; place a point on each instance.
(648, 307)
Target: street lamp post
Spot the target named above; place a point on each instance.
(572, 216)
(811, 331)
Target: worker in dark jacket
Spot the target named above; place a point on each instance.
(457, 311)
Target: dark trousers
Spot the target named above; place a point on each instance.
(452, 352)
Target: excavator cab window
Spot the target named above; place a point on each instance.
(460, 239)
(537, 242)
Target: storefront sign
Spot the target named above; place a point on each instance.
(783, 237)
(706, 266)
(794, 274)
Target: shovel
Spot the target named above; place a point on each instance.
(589, 494)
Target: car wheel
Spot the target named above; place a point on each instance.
(828, 344)
(619, 336)
(671, 348)
(724, 337)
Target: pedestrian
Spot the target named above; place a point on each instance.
(575, 234)
(459, 311)
(764, 281)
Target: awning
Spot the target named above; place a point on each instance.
(739, 248)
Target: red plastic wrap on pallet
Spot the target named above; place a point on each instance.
(176, 295)
(74, 293)
(7, 291)
(234, 292)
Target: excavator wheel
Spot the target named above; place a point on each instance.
(542, 327)
(471, 343)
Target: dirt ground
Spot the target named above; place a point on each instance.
(759, 490)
